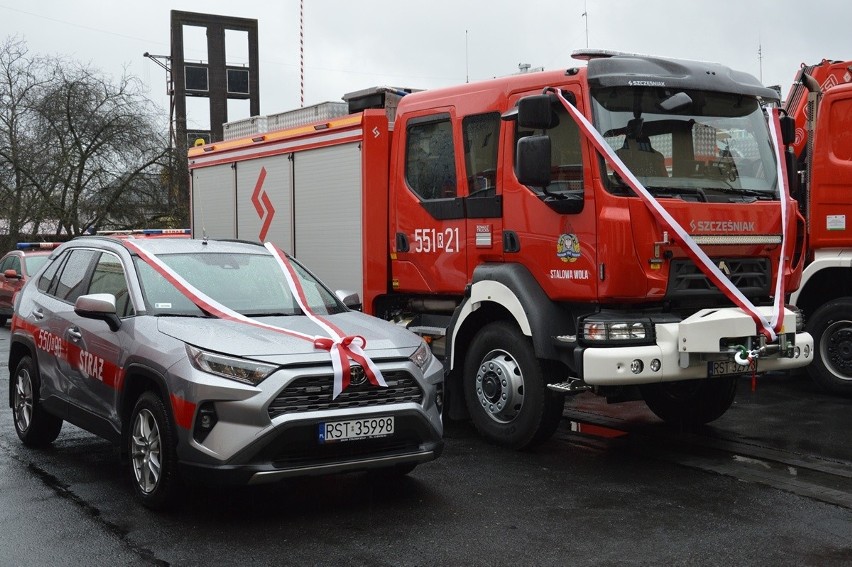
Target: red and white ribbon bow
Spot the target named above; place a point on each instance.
(342, 348)
(770, 327)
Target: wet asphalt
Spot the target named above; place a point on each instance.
(767, 484)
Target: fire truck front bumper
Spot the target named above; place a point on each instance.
(709, 343)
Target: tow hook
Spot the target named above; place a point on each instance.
(745, 356)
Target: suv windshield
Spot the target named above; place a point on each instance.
(688, 143)
(251, 284)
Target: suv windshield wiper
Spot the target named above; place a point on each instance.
(274, 314)
(175, 314)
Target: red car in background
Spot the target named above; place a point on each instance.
(16, 267)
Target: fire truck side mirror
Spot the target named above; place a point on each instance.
(532, 161)
(536, 112)
(788, 129)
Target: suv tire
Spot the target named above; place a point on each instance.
(34, 426)
(151, 451)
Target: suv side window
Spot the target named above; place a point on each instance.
(74, 276)
(430, 166)
(108, 277)
(47, 278)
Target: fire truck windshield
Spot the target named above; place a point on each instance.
(692, 144)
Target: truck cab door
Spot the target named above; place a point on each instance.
(427, 209)
(552, 230)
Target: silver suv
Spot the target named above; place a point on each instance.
(215, 360)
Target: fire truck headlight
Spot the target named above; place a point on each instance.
(611, 333)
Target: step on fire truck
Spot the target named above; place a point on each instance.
(557, 232)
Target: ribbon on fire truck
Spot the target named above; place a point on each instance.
(341, 347)
(767, 327)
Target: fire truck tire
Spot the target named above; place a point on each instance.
(831, 328)
(691, 402)
(34, 426)
(151, 448)
(505, 390)
(3, 321)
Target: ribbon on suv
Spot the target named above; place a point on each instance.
(341, 347)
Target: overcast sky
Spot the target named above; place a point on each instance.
(350, 45)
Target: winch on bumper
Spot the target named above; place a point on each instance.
(704, 344)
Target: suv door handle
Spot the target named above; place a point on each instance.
(38, 314)
(75, 334)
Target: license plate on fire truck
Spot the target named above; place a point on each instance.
(355, 429)
(727, 368)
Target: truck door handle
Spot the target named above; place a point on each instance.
(38, 314)
(511, 242)
(75, 334)
(401, 242)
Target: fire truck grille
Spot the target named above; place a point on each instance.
(313, 393)
(751, 276)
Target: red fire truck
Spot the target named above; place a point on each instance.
(820, 100)
(617, 227)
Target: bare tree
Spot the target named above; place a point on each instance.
(80, 151)
(103, 149)
(21, 78)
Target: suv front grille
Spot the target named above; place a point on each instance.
(313, 393)
(750, 275)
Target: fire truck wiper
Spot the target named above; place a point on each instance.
(666, 191)
(731, 190)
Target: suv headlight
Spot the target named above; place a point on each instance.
(422, 356)
(239, 369)
(615, 332)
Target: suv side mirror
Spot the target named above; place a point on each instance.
(100, 306)
(350, 299)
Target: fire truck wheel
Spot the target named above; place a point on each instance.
(505, 389)
(151, 447)
(690, 402)
(831, 328)
(34, 426)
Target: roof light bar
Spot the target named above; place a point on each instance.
(37, 245)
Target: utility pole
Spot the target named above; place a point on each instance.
(466, 60)
(164, 62)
